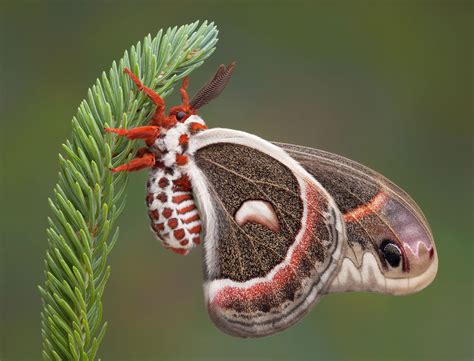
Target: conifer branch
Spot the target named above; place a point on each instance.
(87, 199)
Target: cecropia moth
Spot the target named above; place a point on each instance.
(281, 224)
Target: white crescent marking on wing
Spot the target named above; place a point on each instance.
(258, 211)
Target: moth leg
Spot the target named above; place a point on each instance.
(146, 132)
(159, 114)
(184, 92)
(145, 160)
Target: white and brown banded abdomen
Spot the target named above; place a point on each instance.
(173, 213)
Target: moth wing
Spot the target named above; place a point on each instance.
(375, 211)
(273, 236)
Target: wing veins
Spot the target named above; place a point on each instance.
(269, 198)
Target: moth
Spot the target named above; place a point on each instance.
(281, 224)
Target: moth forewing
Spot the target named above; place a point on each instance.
(390, 245)
(299, 260)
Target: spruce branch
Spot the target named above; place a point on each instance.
(87, 199)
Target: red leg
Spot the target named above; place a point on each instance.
(155, 98)
(146, 132)
(145, 161)
(184, 92)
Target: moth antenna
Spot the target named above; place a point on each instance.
(213, 87)
(184, 91)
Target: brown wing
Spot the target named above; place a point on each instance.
(277, 234)
(240, 174)
(381, 220)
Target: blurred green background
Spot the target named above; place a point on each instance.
(386, 83)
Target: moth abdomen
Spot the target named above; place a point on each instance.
(173, 213)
